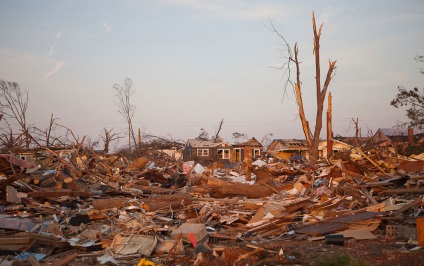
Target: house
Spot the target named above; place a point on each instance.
(387, 136)
(284, 148)
(352, 140)
(251, 149)
(207, 150)
(338, 146)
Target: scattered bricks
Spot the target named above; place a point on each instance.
(401, 232)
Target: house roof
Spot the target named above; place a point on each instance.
(335, 141)
(204, 143)
(398, 131)
(291, 144)
(351, 140)
(250, 143)
(394, 131)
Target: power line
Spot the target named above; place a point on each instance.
(190, 124)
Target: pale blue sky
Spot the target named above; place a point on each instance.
(195, 62)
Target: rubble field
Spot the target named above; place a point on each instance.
(76, 207)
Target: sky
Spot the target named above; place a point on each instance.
(194, 62)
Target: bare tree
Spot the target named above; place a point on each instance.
(92, 143)
(14, 104)
(312, 138)
(240, 137)
(267, 140)
(203, 135)
(108, 138)
(125, 108)
(47, 135)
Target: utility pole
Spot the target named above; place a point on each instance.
(139, 138)
(356, 132)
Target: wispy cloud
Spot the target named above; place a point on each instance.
(229, 9)
(52, 48)
(58, 66)
(106, 26)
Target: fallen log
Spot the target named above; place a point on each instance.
(165, 201)
(48, 194)
(220, 189)
(403, 190)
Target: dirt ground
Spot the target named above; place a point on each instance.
(291, 252)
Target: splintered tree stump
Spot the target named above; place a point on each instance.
(220, 189)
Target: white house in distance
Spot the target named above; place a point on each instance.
(338, 146)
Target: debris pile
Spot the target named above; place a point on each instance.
(76, 207)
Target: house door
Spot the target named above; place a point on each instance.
(237, 155)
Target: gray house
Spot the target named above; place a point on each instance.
(207, 150)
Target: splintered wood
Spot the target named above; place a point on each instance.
(82, 207)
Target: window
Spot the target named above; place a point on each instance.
(256, 153)
(202, 152)
(223, 153)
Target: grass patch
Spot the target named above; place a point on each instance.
(339, 259)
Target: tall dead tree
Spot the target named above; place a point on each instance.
(312, 138)
(13, 105)
(125, 108)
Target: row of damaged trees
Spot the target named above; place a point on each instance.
(16, 133)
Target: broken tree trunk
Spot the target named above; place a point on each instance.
(166, 201)
(329, 127)
(219, 188)
(313, 139)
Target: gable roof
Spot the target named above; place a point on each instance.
(205, 143)
(290, 144)
(250, 143)
(335, 141)
(394, 131)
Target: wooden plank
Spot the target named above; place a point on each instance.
(55, 257)
(14, 240)
(408, 206)
(10, 180)
(322, 229)
(32, 261)
(65, 260)
(362, 177)
(104, 204)
(48, 194)
(15, 223)
(334, 225)
(365, 191)
(403, 190)
(369, 159)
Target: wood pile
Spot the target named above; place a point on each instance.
(75, 207)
